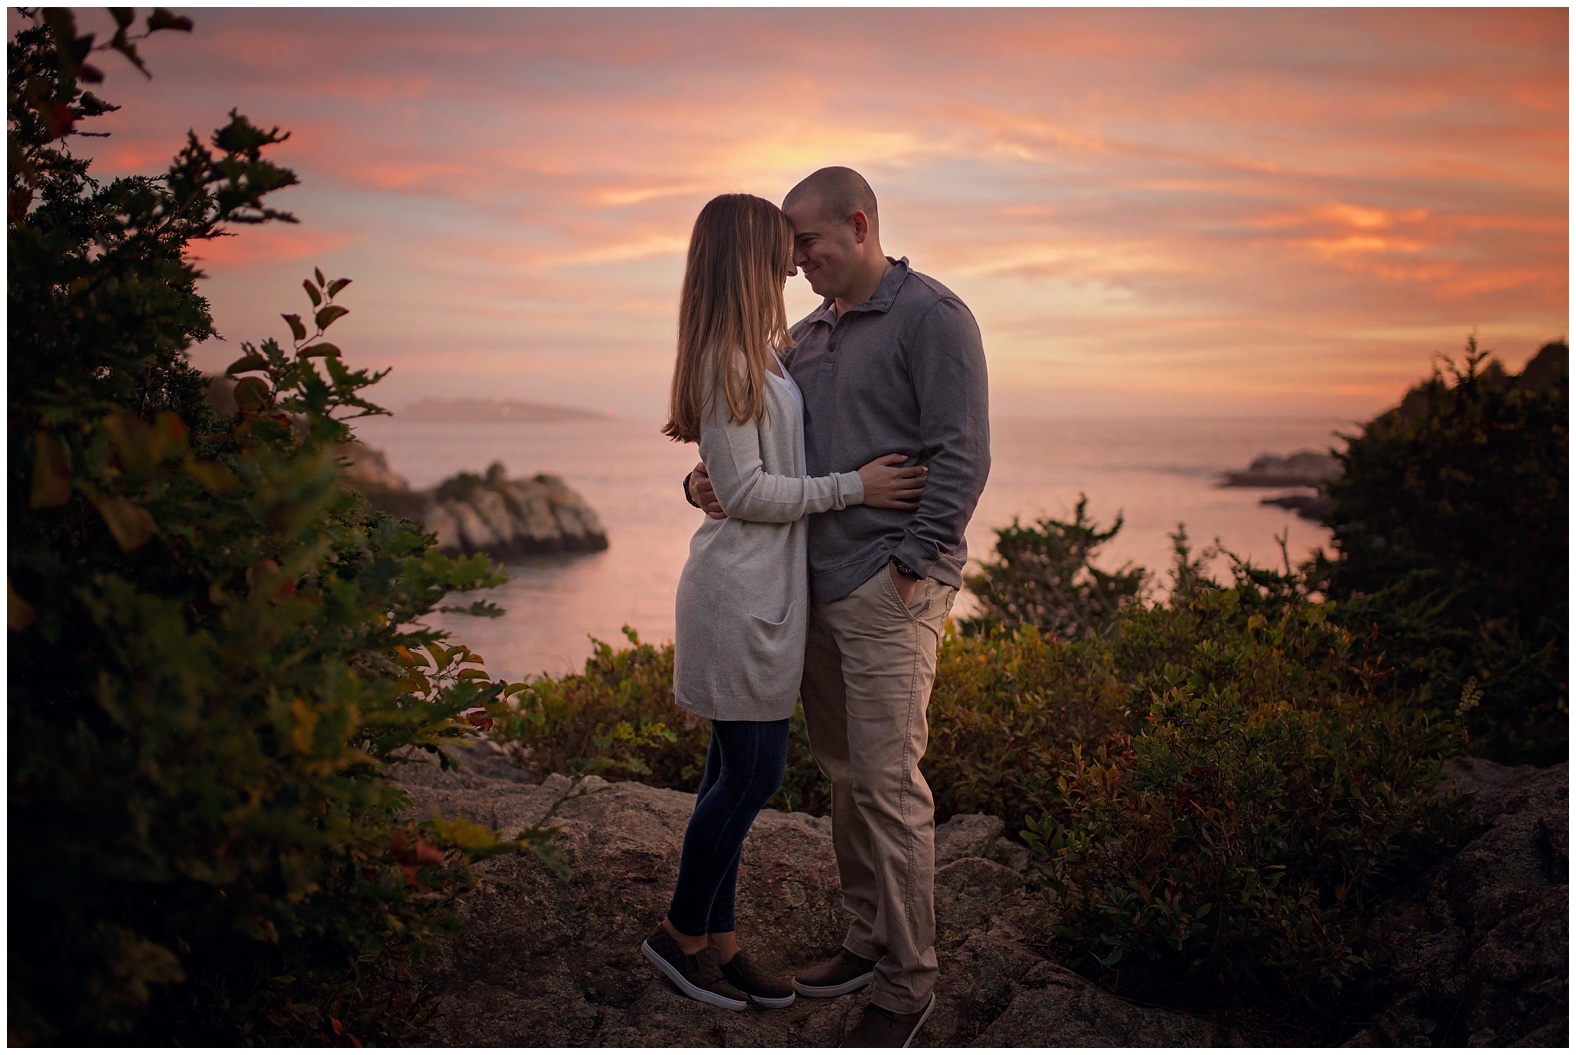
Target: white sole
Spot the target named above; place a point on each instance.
(694, 992)
(825, 992)
(772, 1001)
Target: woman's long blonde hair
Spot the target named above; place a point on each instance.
(731, 314)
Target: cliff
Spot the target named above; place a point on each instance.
(489, 514)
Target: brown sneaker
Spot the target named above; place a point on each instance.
(697, 977)
(880, 1028)
(754, 981)
(843, 973)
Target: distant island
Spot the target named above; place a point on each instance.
(494, 410)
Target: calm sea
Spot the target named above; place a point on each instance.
(1156, 472)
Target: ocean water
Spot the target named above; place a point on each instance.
(1155, 472)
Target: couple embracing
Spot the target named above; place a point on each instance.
(840, 462)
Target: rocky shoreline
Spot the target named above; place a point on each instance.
(489, 514)
(1475, 949)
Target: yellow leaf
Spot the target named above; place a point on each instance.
(19, 614)
(128, 522)
(305, 720)
(51, 480)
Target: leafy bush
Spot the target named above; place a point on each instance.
(1450, 524)
(619, 715)
(1230, 836)
(1044, 576)
(213, 651)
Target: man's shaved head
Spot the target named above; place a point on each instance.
(841, 191)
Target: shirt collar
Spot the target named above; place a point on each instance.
(880, 300)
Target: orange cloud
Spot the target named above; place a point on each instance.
(271, 244)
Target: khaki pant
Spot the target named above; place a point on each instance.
(870, 661)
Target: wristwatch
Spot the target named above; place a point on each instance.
(687, 496)
(905, 570)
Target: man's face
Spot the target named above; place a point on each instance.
(826, 249)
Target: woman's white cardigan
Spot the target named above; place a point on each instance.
(744, 597)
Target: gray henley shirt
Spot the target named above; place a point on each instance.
(904, 371)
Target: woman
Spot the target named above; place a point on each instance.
(743, 599)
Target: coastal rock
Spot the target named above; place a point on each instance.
(1478, 947)
(489, 514)
(1309, 507)
(1301, 469)
(545, 961)
(367, 469)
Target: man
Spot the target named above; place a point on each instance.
(891, 361)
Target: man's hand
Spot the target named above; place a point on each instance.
(905, 585)
(702, 491)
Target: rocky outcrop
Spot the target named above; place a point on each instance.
(550, 962)
(1301, 469)
(1309, 507)
(1478, 950)
(489, 514)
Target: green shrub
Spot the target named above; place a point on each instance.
(1230, 838)
(214, 649)
(1044, 576)
(1450, 524)
(618, 715)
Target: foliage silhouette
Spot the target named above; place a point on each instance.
(215, 649)
(1450, 524)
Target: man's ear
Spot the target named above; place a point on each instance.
(861, 224)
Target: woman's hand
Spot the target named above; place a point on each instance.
(891, 485)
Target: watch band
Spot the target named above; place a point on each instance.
(905, 570)
(687, 496)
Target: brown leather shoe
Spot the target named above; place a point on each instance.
(756, 982)
(880, 1028)
(843, 973)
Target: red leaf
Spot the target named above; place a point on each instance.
(426, 854)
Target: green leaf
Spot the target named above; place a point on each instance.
(51, 476)
(317, 273)
(322, 348)
(338, 284)
(311, 291)
(326, 316)
(250, 361)
(214, 477)
(131, 524)
(297, 330)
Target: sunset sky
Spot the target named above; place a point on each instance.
(1223, 211)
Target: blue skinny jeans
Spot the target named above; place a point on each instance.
(744, 767)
